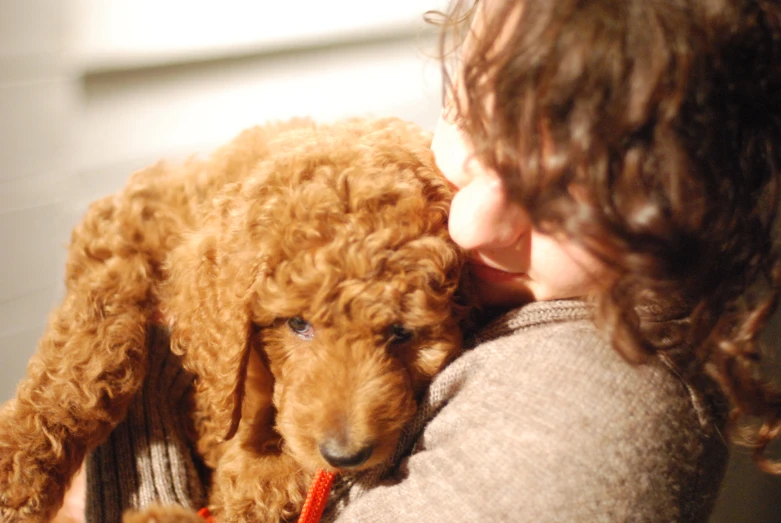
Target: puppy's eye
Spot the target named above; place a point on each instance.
(398, 334)
(302, 328)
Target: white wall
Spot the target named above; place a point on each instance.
(92, 89)
(36, 172)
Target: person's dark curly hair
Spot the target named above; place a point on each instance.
(648, 131)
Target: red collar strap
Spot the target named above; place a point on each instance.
(317, 497)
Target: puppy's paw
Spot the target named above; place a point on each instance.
(262, 491)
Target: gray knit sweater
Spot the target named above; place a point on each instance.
(147, 459)
(540, 421)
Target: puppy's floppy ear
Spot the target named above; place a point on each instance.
(207, 300)
(238, 391)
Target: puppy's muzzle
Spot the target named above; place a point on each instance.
(343, 455)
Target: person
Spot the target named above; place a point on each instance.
(616, 164)
(616, 168)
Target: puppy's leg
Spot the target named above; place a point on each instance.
(91, 361)
(263, 488)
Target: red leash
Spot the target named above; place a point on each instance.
(314, 505)
(317, 497)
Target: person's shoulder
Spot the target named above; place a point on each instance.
(522, 359)
(532, 338)
(557, 344)
(560, 402)
(551, 366)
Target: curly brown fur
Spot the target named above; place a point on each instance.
(342, 226)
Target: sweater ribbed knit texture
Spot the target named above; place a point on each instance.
(147, 459)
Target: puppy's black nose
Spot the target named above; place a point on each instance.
(343, 457)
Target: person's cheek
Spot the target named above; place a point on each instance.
(482, 217)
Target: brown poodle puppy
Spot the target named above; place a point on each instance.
(309, 284)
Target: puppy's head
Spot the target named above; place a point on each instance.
(353, 350)
(338, 253)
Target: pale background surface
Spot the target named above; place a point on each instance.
(92, 89)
